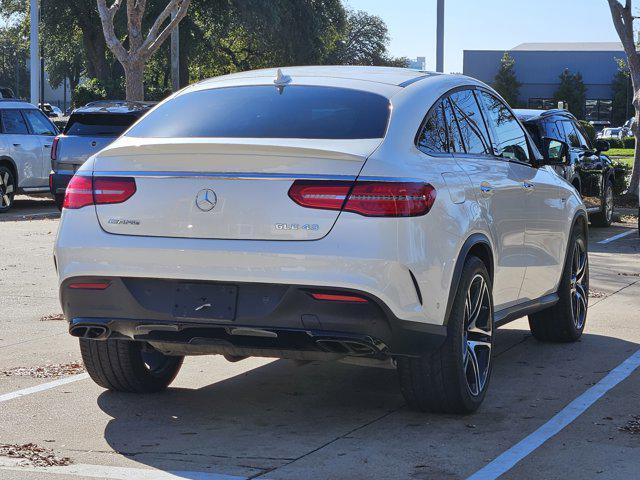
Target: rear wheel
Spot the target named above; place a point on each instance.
(455, 377)
(565, 321)
(605, 216)
(127, 366)
(7, 189)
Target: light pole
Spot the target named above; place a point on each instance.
(440, 37)
(34, 57)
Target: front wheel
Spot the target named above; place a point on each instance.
(128, 366)
(565, 321)
(454, 378)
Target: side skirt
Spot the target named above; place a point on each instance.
(510, 314)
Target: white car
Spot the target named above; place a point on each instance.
(378, 215)
(26, 136)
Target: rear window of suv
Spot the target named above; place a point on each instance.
(98, 124)
(264, 111)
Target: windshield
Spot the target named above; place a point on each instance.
(265, 111)
(98, 124)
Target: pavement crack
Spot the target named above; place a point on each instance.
(344, 435)
(593, 304)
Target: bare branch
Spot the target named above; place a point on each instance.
(155, 38)
(106, 18)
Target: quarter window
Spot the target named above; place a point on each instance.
(13, 122)
(510, 140)
(470, 121)
(453, 131)
(572, 134)
(433, 137)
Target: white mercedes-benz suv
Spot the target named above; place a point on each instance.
(312, 213)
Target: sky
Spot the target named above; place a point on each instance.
(487, 25)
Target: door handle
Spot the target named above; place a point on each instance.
(486, 189)
(529, 187)
(47, 145)
(17, 144)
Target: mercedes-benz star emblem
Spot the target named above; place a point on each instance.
(206, 199)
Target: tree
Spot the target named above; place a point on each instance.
(506, 82)
(140, 48)
(622, 108)
(623, 21)
(572, 91)
(364, 42)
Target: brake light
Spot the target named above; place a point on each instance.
(371, 199)
(83, 190)
(54, 148)
(90, 286)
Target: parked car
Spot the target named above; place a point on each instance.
(26, 137)
(292, 214)
(47, 109)
(584, 166)
(57, 111)
(617, 133)
(89, 129)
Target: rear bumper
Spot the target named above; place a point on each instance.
(58, 182)
(267, 320)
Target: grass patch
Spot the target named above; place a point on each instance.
(620, 152)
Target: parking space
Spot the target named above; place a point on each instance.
(263, 418)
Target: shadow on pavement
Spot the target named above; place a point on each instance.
(272, 415)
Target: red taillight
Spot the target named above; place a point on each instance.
(330, 297)
(84, 190)
(371, 199)
(113, 189)
(79, 192)
(54, 148)
(90, 286)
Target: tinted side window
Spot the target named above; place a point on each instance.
(453, 131)
(572, 134)
(472, 128)
(509, 138)
(582, 137)
(40, 125)
(553, 129)
(433, 137)
(13, 122)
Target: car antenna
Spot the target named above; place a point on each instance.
(281, 80)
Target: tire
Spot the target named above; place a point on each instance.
(128, 366)
(7, 188)
(445, 380)
(58, 198)
(605, 216)
(565, 321)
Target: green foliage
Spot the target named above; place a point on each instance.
(622, 94)
(622, 174)
(622, 143)
(89, 91)
(13, 58)
(589, 130)
(573, 91)
(506, 82)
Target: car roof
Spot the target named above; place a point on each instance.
(114, 106)
(387, 75)
(530, 114)
(15, 103)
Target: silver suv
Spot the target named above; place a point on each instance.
(26, 136)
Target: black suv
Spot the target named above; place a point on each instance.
(579, 161)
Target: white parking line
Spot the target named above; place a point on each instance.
(40, 388)
(616, 237)
(564, 417)
(117, 473)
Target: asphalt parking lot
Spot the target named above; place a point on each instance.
(275, 419)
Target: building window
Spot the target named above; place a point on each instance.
(597, 110)
(543, 103)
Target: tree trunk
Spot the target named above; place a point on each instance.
(134, 76)
(632, 192)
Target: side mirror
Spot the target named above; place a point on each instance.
(602, 145)
(554, 151)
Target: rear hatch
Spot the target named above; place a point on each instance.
(218, 163)
(225, 189)
(87, 133)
